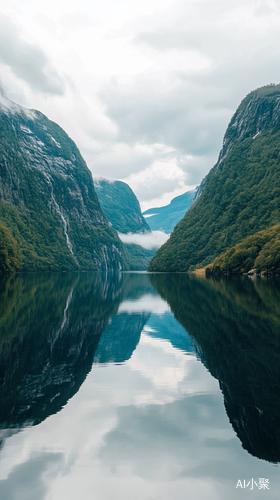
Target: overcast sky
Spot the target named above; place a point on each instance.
(145, 88)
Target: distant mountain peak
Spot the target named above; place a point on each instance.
(165, 218)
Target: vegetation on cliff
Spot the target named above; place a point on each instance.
(123, 211)
(10, 257)
(260, 252)
(139, 257)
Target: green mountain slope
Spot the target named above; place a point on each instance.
(241, 194)
(120, 206)
(50, 215)
(165, 218)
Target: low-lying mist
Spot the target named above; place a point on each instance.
(153, 239)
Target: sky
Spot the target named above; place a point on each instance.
(145, 89)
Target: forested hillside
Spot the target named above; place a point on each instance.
(259, 253)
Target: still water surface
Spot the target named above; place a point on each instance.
(138, 386)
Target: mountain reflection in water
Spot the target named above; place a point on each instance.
(49, 330)
(235, 324)
(54, 327)
(51, 333)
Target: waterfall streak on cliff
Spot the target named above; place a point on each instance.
(60, 214)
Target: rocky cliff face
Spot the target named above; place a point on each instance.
(47, 197)
(123, 211)
(258, 111)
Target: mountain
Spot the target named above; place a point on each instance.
(50, 216)
(165, 218)
(241, 194)
(123, 211)
(139, 257)
(120, 206)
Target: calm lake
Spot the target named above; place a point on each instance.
(139, 386)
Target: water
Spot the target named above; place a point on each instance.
(137, 386)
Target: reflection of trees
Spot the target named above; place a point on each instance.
(235, 323)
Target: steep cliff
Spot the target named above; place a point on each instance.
(241, 194)
(48, 205)
(121, 206)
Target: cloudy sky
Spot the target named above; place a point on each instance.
(146, 89)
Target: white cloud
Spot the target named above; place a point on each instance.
(164, 179)
(165, 373)
(124, 77)
(149, 240)
(27, 61)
